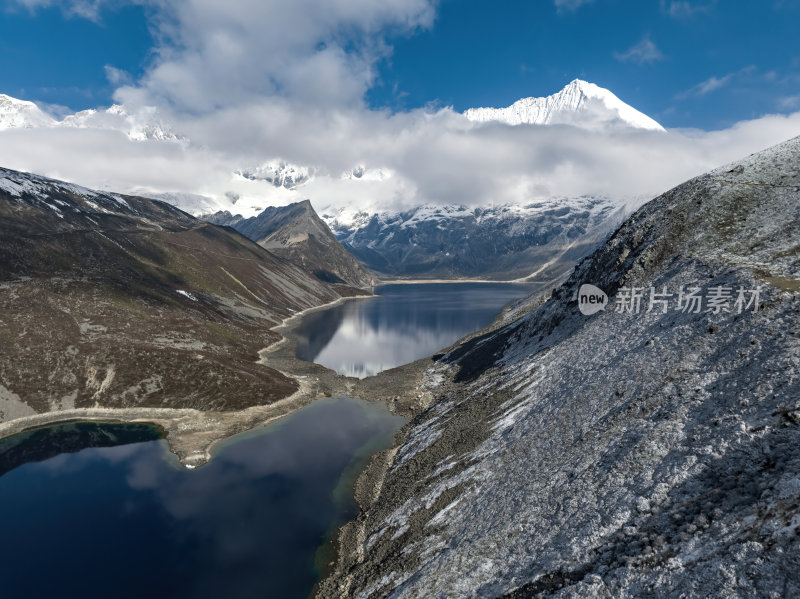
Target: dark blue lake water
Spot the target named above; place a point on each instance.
(104, 510)
(404, 323)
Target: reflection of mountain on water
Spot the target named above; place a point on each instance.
(404, 323)
(41, 444)
(317, 329)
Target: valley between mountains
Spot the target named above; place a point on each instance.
(399, 299)
(123, 307)
(549, 455)
(623, 454)
(117, 307)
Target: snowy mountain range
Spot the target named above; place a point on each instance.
(503, 241)
(540, 240)
(580, 104)
(21, 114)
(279, 173)
(140, 125)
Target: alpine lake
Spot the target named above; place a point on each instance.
(93, 509)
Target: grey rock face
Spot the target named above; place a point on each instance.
(499, 242)
(619, 454)
(296, 233)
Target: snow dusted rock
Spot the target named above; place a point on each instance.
(502, 242)
(621, 454)
(279, 173)
(20, 114)
(140, 125)
(580, 103)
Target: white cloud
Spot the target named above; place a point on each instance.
(714, 83)
(644, 52)
(58, 111)
(788, 102)
(572, 5)
(709, 85)
(250, 81)
(680, 9)
(432, 157)
(117, 76)
(87, 9)
(317, 53)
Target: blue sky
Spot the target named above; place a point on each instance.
(476, 56)
(50, 56)
(704, 64)
(331, 85)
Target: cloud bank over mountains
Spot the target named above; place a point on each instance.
(253, 82)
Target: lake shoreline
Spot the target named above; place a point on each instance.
(260, 477)
(437, 379)
(192, 434)
(521, 281)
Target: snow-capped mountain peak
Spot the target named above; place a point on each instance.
(21, 114)
(144, 124)
(364, 173)
(505, 242)
(580, 103)
(279, 173)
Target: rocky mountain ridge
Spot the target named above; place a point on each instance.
(543, 239)
(648, 451)
(297, 233)
(118, 301)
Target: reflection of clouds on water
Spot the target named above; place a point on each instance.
(360, 349)
(63, 463)
(404, 323)
(279, 484)
(245, 525)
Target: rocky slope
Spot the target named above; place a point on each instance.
(296, 233)
(118, 301)
(620, 454)
(502, 243)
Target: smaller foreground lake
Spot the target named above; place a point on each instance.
(104, 510)
(405, 322)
